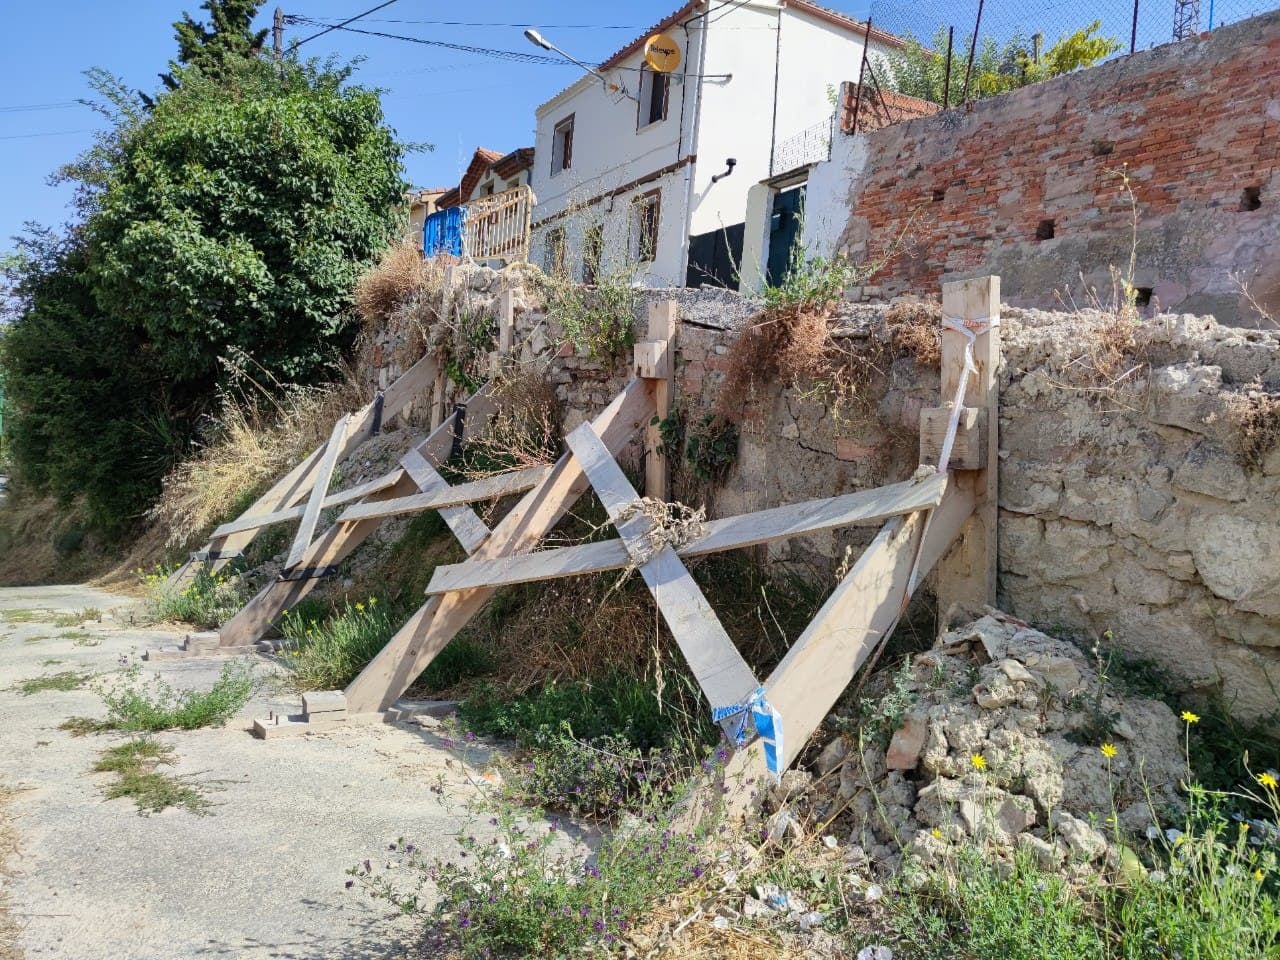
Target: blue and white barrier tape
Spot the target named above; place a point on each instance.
(766, 723)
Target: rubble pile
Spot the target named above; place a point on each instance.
(1000, 736)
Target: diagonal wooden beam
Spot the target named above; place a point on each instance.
(341, 539)
(462, 520)
(489, 488)
(319, 488)
(729, 533)
(294, 487)
(723, 674)
(823, 661)
(438, 620)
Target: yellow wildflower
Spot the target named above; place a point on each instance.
(1108, 750)
(937, 834)
(1258, 875)
(1267, 780)
(373, 601)
(359, 607)
(1189, 717)
(979, 761)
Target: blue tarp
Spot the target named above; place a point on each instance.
(442, 232)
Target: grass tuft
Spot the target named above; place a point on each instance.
(134, 763)
(63, 682)
(207, 601)
(138, 706)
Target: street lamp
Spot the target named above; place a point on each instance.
(538, 40)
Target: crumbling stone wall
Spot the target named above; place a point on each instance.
(1027, 185)
(1125, 506)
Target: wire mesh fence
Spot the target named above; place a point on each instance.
(967, 49)
(811, 145)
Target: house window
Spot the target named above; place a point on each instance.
(646, 210)
(562, 145)
(592, 248)
(555, 253)
(654, 88)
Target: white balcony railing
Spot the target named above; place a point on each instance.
(496, 227)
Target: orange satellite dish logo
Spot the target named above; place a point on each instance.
(661, 53)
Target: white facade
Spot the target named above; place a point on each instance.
(750, 76)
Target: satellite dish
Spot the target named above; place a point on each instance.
(661, 53)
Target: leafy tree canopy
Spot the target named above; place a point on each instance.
(920, 71)
(234, 214)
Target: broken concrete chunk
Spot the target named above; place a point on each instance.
(832, 756)
(1061, 673)
(1081, 839)
(907, 743)
(1015, 671)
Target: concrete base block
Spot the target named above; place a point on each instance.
(403, 711)
(204, 642)
(184, 652)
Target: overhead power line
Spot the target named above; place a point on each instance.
(517, 56)
(52, 133)
(23, 108)
(339, 26)
(467, 23)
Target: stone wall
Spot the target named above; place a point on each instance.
(1028, 185)
(1125, 506)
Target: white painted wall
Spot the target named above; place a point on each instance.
(829, 196)
(498, 183)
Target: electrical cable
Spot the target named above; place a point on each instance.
(51, 133)
(23, 108)
(339, 26)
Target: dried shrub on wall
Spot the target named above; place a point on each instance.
(1255, 421)
(385, 288)
(524, 430)
(915, 327)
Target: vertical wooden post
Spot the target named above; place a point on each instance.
(505, 309)
(655, 360)
(967, 574)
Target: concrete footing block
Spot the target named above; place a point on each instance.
(404, 711)
(325, 704)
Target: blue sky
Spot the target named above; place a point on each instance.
(454, 100)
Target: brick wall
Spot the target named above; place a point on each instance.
(1027, 185)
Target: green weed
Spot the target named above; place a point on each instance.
(63, 682)
(24, 615)
(599, 320)
(208, 601)
(134, 763)
(138, 706)
(77, 618)
(525, 893)
(328, 654)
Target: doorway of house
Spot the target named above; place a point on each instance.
(784, 232)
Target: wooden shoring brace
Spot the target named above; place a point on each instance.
(291, 489)
(319, 488)
(337, 542)
(655, 361)
(506, 317)
(966, 581)
(427, 632)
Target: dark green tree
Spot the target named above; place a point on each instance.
(228, 37)
(233, 216)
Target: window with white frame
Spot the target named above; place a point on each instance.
(555, 251)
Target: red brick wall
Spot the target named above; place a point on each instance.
(1195, 124)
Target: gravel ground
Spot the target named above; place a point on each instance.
(261, 876)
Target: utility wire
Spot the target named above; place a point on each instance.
(339, 26)
(61, 105)
(466, 23)
(52, 133)
(517, 56)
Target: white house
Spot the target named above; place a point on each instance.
(649, 171)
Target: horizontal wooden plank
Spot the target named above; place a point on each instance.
(729, 533)
(470, 530)
(490, 488)
(337, 499)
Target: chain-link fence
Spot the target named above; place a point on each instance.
(967, 49)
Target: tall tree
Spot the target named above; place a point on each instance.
(228, 37)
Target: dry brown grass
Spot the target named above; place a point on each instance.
(1254, 416)
(42, 541)
(524, 430)
(915, 327)
(255, 440)
(384, 288)
(787, 344)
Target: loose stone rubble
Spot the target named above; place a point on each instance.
(993, 738)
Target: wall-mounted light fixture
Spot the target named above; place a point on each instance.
(730, 163)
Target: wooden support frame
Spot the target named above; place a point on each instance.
(931, 522)
(296, 486)
(655, 362)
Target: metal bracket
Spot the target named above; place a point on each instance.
(459, 421)
(306, 573)
(377, 414)
(205, 555)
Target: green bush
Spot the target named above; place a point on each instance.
(207, 601)
(147, 706)
(328, 654)
(524, 893)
